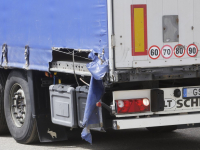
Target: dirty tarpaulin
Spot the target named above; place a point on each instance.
(98, 69)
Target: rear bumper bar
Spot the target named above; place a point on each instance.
(120, 124)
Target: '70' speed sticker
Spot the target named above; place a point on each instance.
(167, 51)
(154, 52)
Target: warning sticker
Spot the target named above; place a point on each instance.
(192, 50)
(179, 50)
(154, 52)
(167, 51)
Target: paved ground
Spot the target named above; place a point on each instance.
(137, 139)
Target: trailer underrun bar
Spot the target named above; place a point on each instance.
(120, 124)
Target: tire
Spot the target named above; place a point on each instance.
(3, 124)
(162, 129)
(24, 131)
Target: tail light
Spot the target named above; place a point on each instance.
(133, 105)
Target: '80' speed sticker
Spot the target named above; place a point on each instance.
(179, 50)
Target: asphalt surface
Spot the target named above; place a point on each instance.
(137, 139)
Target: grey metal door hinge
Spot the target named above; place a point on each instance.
(26, 54)
(4, 53)
(113, 41)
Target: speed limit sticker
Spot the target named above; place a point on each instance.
(154, 52)
(179, 50)
(192, 50)
(167, 51)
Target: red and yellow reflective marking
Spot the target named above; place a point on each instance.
(139, 29)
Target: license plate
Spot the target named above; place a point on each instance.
(191, 92)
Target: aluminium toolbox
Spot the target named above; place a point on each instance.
(63, 105)
(81, 98)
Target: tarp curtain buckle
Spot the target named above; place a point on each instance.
(102, 61)
(4, 53)
(26, 54)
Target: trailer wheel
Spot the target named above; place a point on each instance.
(3, 125)
(18, 110)
(162, 129)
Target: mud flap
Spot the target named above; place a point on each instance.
(40, 102)
(49, 132)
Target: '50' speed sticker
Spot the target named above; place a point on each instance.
(192, 50)
(167, 51)
(154, 52)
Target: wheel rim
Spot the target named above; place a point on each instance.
(17, 105)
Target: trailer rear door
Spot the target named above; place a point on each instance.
(156, 33)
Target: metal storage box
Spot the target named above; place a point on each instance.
(81, 98)
(63, 105)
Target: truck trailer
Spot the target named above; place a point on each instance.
(98, 65)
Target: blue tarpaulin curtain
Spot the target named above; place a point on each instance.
(98, 69)
(91, 116)
(43, 24)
